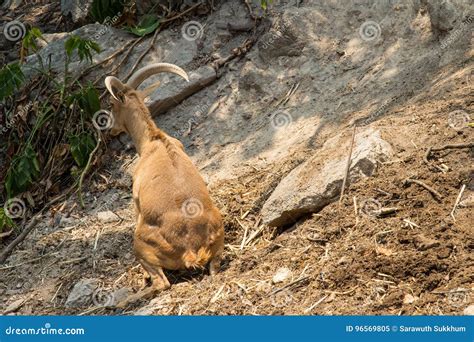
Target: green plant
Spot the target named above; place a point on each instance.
(264, 3)
(148, 24)
(23, 170)
(5, 221)
(60, 121)
(87, 99)
(84, 48)
(29, 41)
(82, 145)
(11, 78)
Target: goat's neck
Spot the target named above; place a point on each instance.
(140, 128)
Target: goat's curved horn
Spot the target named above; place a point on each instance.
(141, 75)
(113, 82)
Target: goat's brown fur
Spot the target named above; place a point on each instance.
(163, 181)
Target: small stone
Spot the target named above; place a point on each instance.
(469, 311)
(107, 216)
(119, 295)
(17, 304)
(281, 275)
(66, 221)
(82, 292)
(408, 299)
(423, 243)
(444, 253)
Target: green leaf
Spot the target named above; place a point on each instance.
(11, 78)
(23, 170)
(87, 99)
(148, 24)
(93, 101)
(5, 221)
(29, 41)
(81, 146)
(70, 45)
(83, 47)
(264, 3)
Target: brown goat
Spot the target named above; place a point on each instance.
(178, 226)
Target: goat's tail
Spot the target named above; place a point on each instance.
(197, 260)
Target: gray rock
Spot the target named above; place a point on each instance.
(82, 292)
(172, 93)
(108, 298)
(120, 294)
(169, 48)
(317, 182)
(443, 15)
(153, 306)
(107, 216)
(14, 306)
(67, 221)
(282, 40)
(109, 39)
(78, 9)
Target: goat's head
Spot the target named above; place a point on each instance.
(126, 99)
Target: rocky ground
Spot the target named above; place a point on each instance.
(271, 132)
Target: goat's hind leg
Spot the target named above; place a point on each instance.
(215, 265)
(159, 283)
(217, 248)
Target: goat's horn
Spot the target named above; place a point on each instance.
(145, 72)
(113, 82)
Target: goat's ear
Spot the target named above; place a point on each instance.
(115, 88)
(120, 96)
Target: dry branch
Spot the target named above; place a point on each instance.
(29, 227)
(435, 193)
(445, 147)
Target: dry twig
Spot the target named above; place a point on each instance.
(435, 193)
(348, 165)
(445, 147)
(458, 199)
